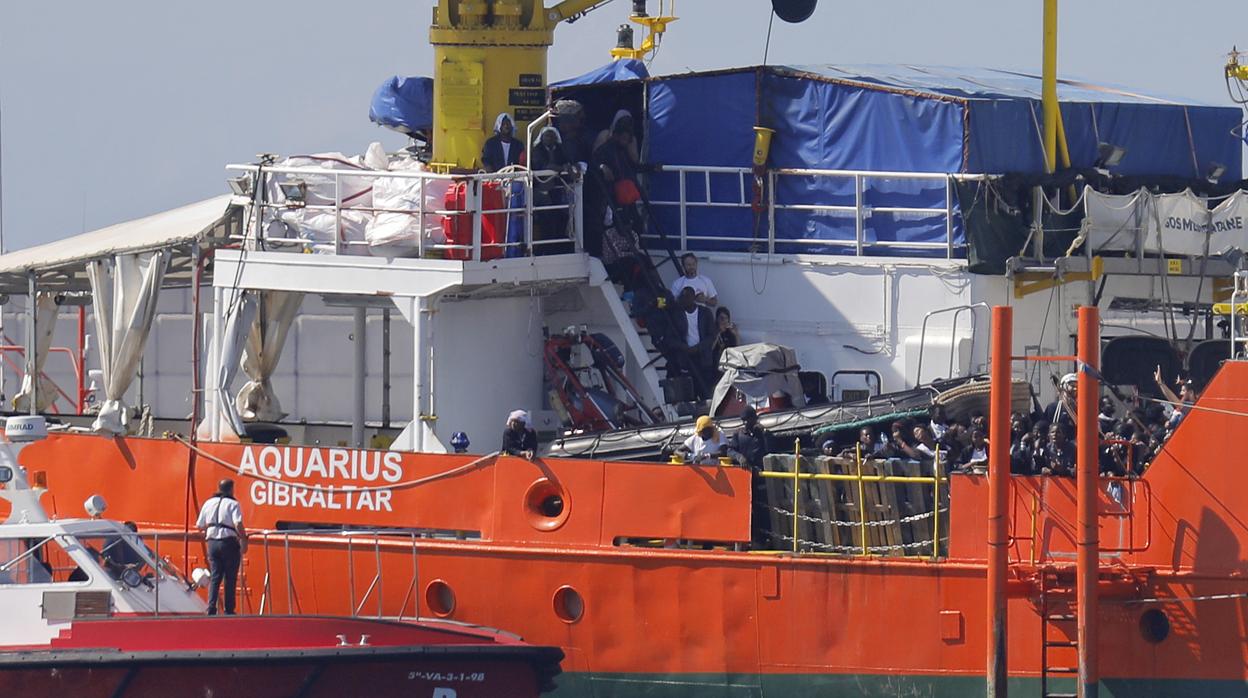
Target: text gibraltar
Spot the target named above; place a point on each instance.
(313, 466)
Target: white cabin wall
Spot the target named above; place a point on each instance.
(487, 362)
(876, 306)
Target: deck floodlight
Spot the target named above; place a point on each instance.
(296, 192)
(1108, 156)
(95, 506)
(1216, 170)
(240, 186)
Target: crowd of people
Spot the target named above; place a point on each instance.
(1131, 433)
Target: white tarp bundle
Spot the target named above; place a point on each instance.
(1172, 224)
(316, 222)
(124, 289)
(46, 311)
(393, 232)
(390, 214)
(758, 370)
(274, 314)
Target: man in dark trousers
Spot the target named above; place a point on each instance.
(688, 346)
(747, 445)
(221, 520)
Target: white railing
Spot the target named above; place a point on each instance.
(285, 571)
(743, 195)
(329, 197)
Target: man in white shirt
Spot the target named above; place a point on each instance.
(221, 520)
(688, 345)
(701, 285)
(707, 443)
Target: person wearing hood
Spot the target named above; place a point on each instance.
(552, 224)
(577, 149)
(502, 149)
(624, 117)
(519, 439)
(616, 168)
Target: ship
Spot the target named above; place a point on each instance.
(866, 224)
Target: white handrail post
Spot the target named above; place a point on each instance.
(949, 216)
(858, 214)
(771, 211)
(577, 210)
(337, 214)
(528, 213)
(684, 214)
(420, 216)
(473, 204)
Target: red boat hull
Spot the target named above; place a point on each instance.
(241, 657)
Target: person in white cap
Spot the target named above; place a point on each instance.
(1062, 410)
(519, 439)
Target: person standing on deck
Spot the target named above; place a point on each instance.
(502, 149)
(701, 285)
(518, 438)
(221, 520)
(747, 446)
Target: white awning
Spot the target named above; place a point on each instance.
(61, 265)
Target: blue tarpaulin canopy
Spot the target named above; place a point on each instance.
(937, 119)
(403, 104)
(615, 71)
(895, 118)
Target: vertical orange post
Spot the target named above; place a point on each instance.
(998, 498)
(1087, 551)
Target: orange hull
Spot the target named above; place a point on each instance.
(691, 613)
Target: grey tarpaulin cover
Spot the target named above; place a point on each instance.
(758, 370)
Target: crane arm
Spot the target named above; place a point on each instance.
(568, 9)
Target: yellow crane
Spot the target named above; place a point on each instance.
(490, 57)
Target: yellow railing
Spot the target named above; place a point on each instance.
(797, 477)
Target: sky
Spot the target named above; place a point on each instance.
(114, 111)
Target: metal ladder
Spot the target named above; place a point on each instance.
(1065, 623)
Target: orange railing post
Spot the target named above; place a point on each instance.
(998, 497)
(1087, 555)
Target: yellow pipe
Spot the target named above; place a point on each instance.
(797, 479)
(862, 500)
(1062, 148)
(1048, 90)
(856, 478)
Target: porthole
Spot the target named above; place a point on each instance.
(569, 605)
(440, 598)
(1154, 625)
(546, 505)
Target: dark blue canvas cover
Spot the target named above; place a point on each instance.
(403, 104)
(912, 119)
(615, 71)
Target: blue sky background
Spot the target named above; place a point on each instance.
(112, 111)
